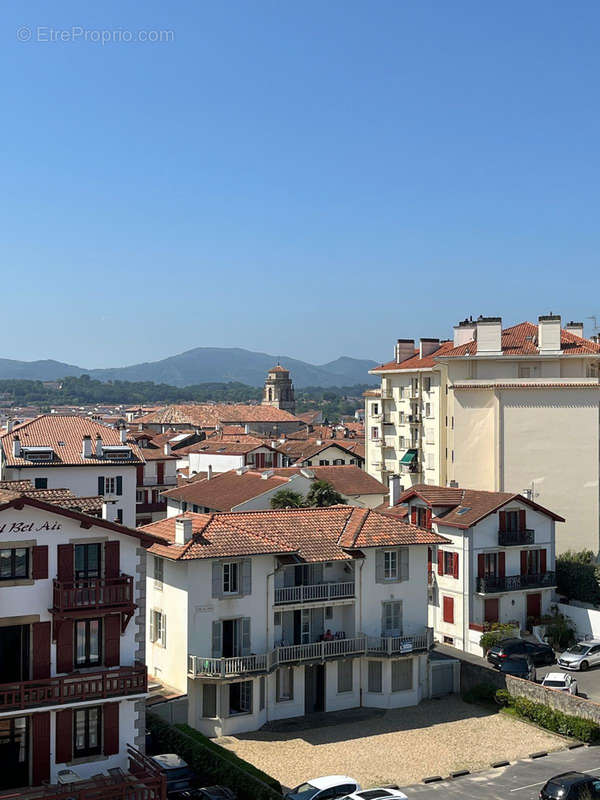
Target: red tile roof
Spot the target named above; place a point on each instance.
(305, 449)
(207, 415)
(225, 490)
(226, 447)
(415, 362)
(348, 479)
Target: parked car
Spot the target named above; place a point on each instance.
(561, 682)
(330, 787)
(581, 656)
(540, 654)
(180, 776)
(571, 786)
(519, 666)
(377, 794)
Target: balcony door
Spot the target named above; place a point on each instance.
(14, 653)
(88, 561)
(14, 752)
(231, 637)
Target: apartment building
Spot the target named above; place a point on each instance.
(72, 650)
(220, 455)
(60, 451)
(265, 615)
(157, 474)
(513, 410)
(498, 563)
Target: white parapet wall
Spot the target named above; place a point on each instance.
(585, 619)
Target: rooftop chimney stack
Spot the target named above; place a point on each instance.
(183, 530)
(575, 328)
(489, 336)
(109, 511)
(10, 424)
(16, 450)
(123, 434)
(209, 472)
(86, 447)
(549, 334)
(405, 348)
(464, 332)
(167, 448)
(394, 485)
(98, 446)
(428, 346)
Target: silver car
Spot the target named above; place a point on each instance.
(581, 656)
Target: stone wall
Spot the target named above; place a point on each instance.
(560, 701)
(472, 674)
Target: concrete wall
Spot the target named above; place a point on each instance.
(586, 620)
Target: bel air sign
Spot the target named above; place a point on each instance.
(28, 527)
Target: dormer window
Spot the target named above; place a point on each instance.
(38, 453)
(114, 452)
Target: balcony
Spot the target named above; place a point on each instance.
(515, 583)
(143, 781)
(386, 393)
(414, 419)
(318, 592)
(360, 645)
(513, 538)
(73, 688)
(93, 594)
(168, 480)
(145, 508)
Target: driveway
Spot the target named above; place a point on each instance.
(400, 746)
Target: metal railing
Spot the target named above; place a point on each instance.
(90, 593)
(74, 687)
(198, 666)
(512, 583)
(511, 538)
(318, 591)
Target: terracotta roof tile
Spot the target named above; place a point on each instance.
(207, 415)
(415, 362)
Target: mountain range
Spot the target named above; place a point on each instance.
(203, 365)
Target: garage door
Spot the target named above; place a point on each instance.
(442, 678)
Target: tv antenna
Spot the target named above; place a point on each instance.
(594, 319)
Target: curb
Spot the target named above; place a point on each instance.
(497, 764)
(575, 745)
(539, 754)
(432, 779)
(459, 773)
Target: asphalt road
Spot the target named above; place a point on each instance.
(588, 682)
(521, 780)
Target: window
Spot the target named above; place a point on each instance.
(41, 483)
(402, 673)
(448, 563)
(490, 565)
(120, 516)
(209, 700)
(328, 612)
(159, 571)
(110, 485)
(262, 690)
(140, 496)
(375, 678)
(533, 562)
(230, 577)
(158, 628)
(524, 372)
(344, 675)
(240, 698)
(323, 462)
(427, 409)
(88, 560)
(184, 506)
(285, 684)
(338, 462)
(374, 434)
(14, 563)
(427, 384)
(375, 409)
(449, 610)
(88, 642)
(512, 520)
(391, 618)
(86, 732)
(390, 565)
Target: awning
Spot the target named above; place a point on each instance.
(408, 457)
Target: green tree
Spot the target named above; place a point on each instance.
(286, 498)
(322, 494)
(577, 576)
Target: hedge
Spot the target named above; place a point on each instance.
(208, 758)
(549, 718)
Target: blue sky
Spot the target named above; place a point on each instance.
(305, 178)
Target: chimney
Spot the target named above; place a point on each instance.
(268, 473)
(109, 511)
(428, 346)
(489, 336)
(246, 427)
(167, 448)
(464, 332)
(10, 424)
(123, 434)
(395, 491)
(183, 530)
(405, 348)
(209, 472)
(575, 328)
(16, 446)
(86, 447)
(98, 446)
(549, 334)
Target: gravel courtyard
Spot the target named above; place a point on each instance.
(400, 746)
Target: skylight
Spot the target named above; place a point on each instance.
(463, 510)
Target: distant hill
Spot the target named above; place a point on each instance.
(203, 365)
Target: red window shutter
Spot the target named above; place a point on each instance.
(112, 640)
(139, 474)
(502, 515)
(440, 562)
(522, 519)
(455, 565)
(449, 610)
(41, 650)
(524, 562)
(64, 736)
(39, 562)
(110, 716)
(413, 515)
(543, 561)
(65, 646)
(429, 559)
(40, 740)
(111, 560)
(65, 562)
(160, 472)
(501, 565)
(428, 518)
(480, 565)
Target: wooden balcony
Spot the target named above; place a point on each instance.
(93, 594)
(494, 584)
(359, 645)
(143, 781)
(516, 538)
(315, 593)
(73, 688)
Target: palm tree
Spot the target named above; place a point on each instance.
(286, 498)
(322, 494)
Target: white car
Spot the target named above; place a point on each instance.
(377, 794)
(330, 787)
(560, 681)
